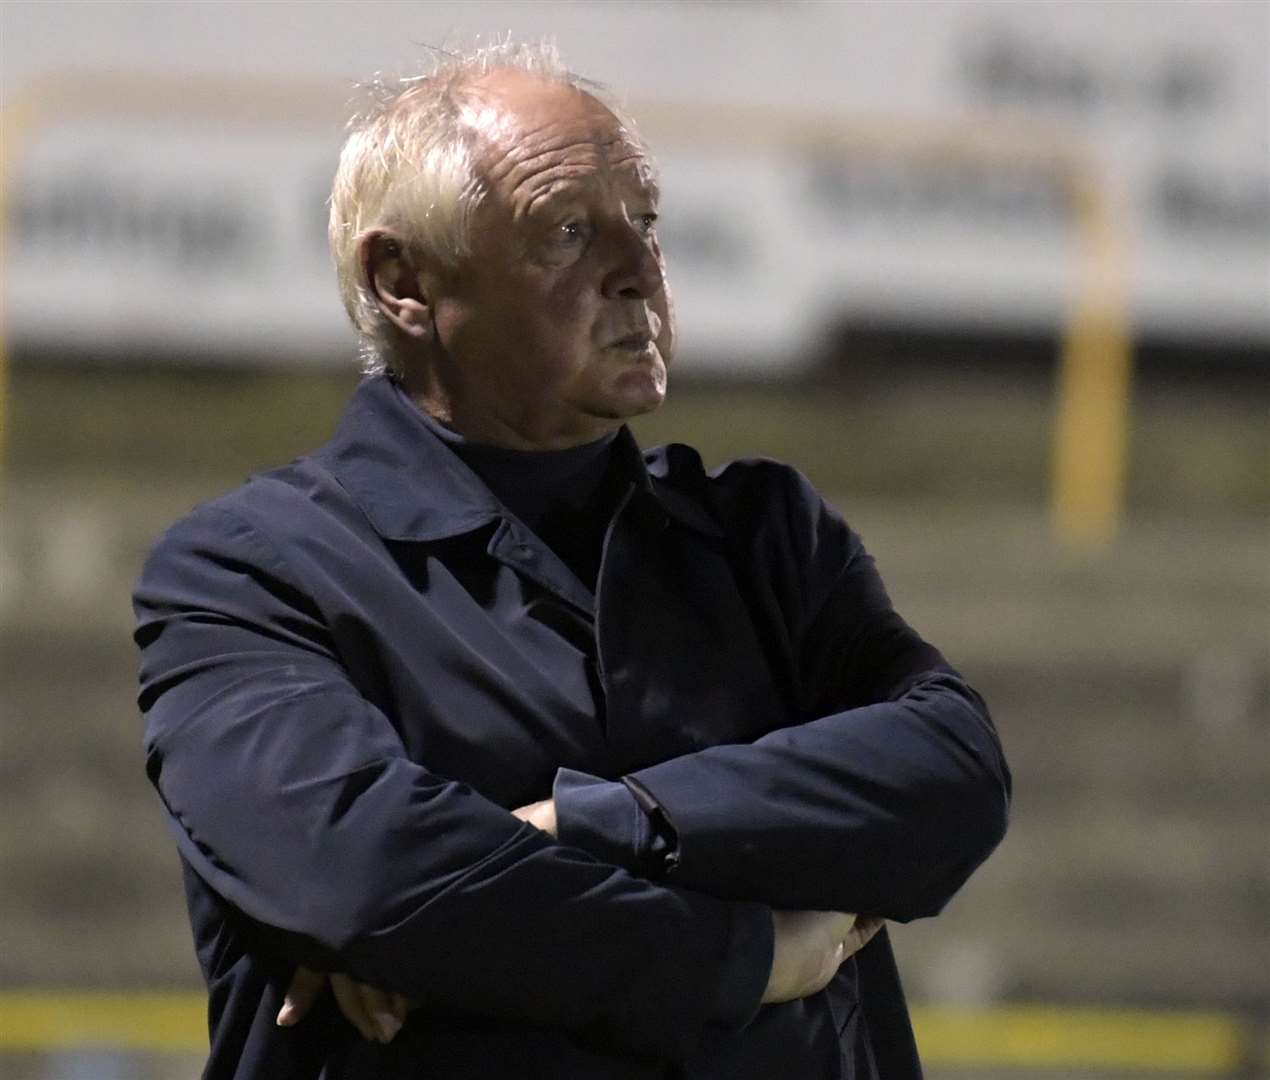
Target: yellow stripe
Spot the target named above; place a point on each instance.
(1011, 1036)
(173, 1023)
(1052, 1037)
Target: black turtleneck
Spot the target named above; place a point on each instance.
(566, 496)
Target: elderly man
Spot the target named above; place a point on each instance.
(582, 762)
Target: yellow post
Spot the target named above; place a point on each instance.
(1093, 389)
(15, 120)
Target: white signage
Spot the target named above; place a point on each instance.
(1017, 153)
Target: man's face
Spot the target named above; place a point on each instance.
(557, 326)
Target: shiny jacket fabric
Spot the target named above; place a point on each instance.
(354, 666)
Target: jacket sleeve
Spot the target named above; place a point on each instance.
(292, 796)
(882, 797)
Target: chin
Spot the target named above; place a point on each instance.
(635, 393)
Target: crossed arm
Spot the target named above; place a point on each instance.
(882, 804)
(808, 947)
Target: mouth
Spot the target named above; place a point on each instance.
(633, 343)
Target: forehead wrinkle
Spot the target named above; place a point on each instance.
(540, 186)
(577, 154)
(644, 168)
(511, 158)
(580, 161)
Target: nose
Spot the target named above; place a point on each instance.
(636, 273)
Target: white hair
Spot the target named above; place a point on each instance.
(409, 165)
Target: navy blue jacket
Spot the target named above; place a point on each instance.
(354, 666)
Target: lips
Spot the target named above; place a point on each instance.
(638, 338)
(634, 342)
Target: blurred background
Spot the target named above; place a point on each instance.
(995, 275)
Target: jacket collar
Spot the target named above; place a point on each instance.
(405, 480)
(411, 486)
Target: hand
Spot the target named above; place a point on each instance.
(809, 948)
(542, 815)
(376, 1014)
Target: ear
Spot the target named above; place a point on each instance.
(396, 282)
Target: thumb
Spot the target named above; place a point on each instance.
(305, 987)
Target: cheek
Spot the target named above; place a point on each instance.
(454, 323)
(568, 308)
(664, 305)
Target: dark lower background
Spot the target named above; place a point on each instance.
(1131, 684)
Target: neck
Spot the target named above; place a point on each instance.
(484, 424)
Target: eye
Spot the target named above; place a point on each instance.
(571, 232)
(646, 223)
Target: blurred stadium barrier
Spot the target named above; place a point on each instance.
(1130, 690)
(54, 1029)
(986, 216)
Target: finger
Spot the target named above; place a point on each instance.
(378, 1004)
(868, 928)
(861, 934)
(350, 1002)
(401, 1006)
(305, 987)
